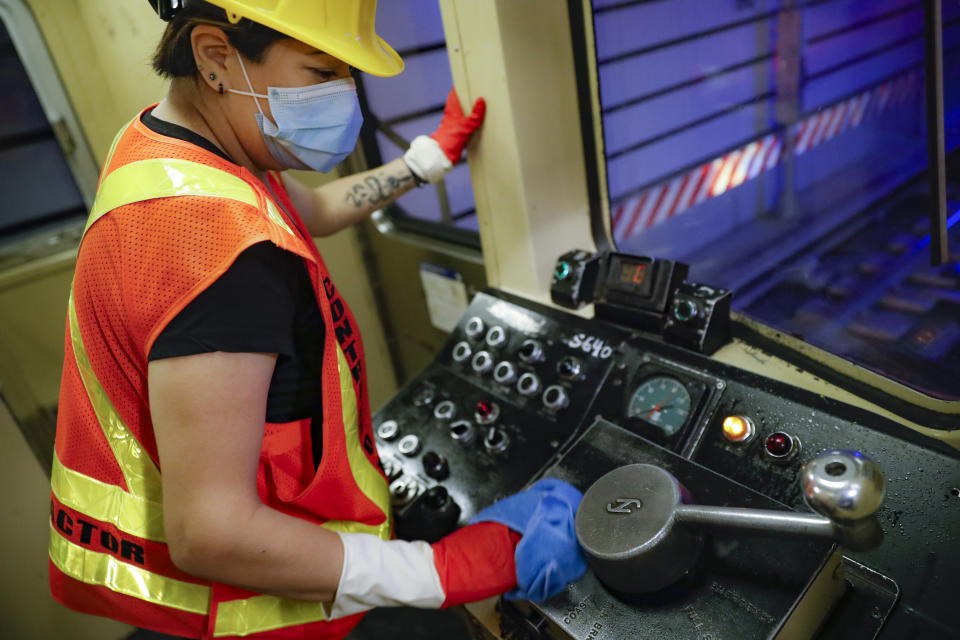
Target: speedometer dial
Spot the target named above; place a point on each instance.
(663, 402)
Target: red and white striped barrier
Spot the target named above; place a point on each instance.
(667, 199)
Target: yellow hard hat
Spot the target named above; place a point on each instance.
(343, 28)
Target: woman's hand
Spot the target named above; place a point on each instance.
(339, 204)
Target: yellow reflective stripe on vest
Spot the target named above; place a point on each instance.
(264, 613)
(93, 567)
(169, 177)
(140, 473)
(107, 502)
(368, 477)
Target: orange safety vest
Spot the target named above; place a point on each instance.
(168, 220)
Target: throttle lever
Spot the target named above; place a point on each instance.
(639, 532)
(845, 487)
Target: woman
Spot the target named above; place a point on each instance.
(205, 338)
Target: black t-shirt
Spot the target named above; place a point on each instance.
(264, 303)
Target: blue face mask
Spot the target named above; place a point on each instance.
(313, 127)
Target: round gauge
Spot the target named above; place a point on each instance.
(661, 401)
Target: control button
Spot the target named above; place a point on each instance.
(486, 412)
(684, 310)
(424, 397)
(435, 465)
(461, 352)
(445, 410)
(496, 441)
(409, 445)
(403, 490)
(569, 368)
(461, 431)
(505, 373)
(563, 270)
(391, 468)
(496, 337)
(482, 362)
(529, 384)
(531, 351)
(738, 429)
(474, 328)
(555, 398)
(781, 447)
(436, 497)
(388, 430)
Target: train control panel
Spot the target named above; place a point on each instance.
(521, 391)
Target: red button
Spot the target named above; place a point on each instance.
(484, 409)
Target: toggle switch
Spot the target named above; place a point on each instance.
(462, 431)
(496, 440)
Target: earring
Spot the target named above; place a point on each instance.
(220, 88)
(212, 76)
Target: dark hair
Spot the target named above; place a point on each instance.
(174, 55)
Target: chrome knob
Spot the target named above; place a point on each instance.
(461, 352)
(388, 430)
(842, 485)
(505, 373)
(474, 327)
(529, 384)
(555, 398)
(482, 362)
(496, 337)
(531, 351)
(409, 445)
(445, 410)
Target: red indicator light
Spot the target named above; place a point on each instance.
(486, 412)
(778, 444)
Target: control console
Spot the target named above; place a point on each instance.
(507, 392)
(520, 391)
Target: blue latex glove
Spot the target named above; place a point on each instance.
(548, 556)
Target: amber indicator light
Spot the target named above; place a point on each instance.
(737, 429)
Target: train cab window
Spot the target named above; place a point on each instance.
(780, 148)
(400, 108)
(48, 171)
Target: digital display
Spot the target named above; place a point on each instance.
(637, 274)
(633, 276)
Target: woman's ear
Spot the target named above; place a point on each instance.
(211, 49)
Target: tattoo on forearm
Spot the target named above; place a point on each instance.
(373, 190)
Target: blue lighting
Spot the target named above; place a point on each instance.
(925, 240)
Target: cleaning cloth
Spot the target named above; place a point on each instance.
(548, 556)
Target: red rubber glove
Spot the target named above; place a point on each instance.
(455, 128)
(470, 564)
(476, 562)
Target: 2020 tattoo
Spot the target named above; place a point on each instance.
(373, 190)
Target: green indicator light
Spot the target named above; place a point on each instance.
(684, 310)
(562, 271)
